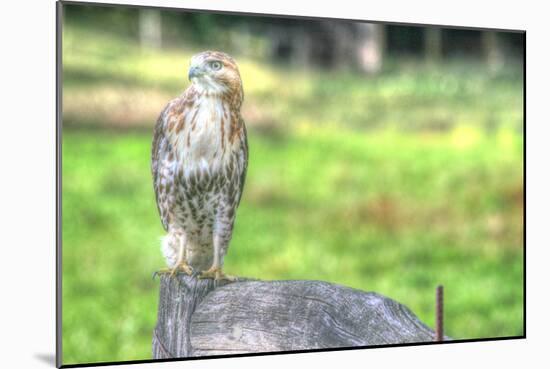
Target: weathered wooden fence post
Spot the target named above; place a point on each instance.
(202, 317)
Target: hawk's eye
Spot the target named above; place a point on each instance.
(216, 65)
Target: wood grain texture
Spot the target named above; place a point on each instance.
(201, 317)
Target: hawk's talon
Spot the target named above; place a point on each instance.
(162, 271)
(216, 274)
(181, 268)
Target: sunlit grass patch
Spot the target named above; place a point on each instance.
(352, 211)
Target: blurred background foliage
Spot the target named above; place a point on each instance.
(385, 158)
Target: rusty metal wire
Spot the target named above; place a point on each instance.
(439, 314)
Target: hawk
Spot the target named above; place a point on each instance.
(199, 162)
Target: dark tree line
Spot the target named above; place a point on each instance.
(302, 41)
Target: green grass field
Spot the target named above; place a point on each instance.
(433, 195)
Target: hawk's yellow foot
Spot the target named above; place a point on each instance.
(181, 267)
(216, 274)
(161, 271)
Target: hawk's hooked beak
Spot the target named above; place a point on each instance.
(194, 72)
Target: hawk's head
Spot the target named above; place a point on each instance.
(215, 73)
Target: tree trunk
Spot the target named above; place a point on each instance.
(203, 317)
(371, 44)
(492, 50)
(150, 28)
(433, 44)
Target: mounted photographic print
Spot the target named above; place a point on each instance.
(236, 184)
